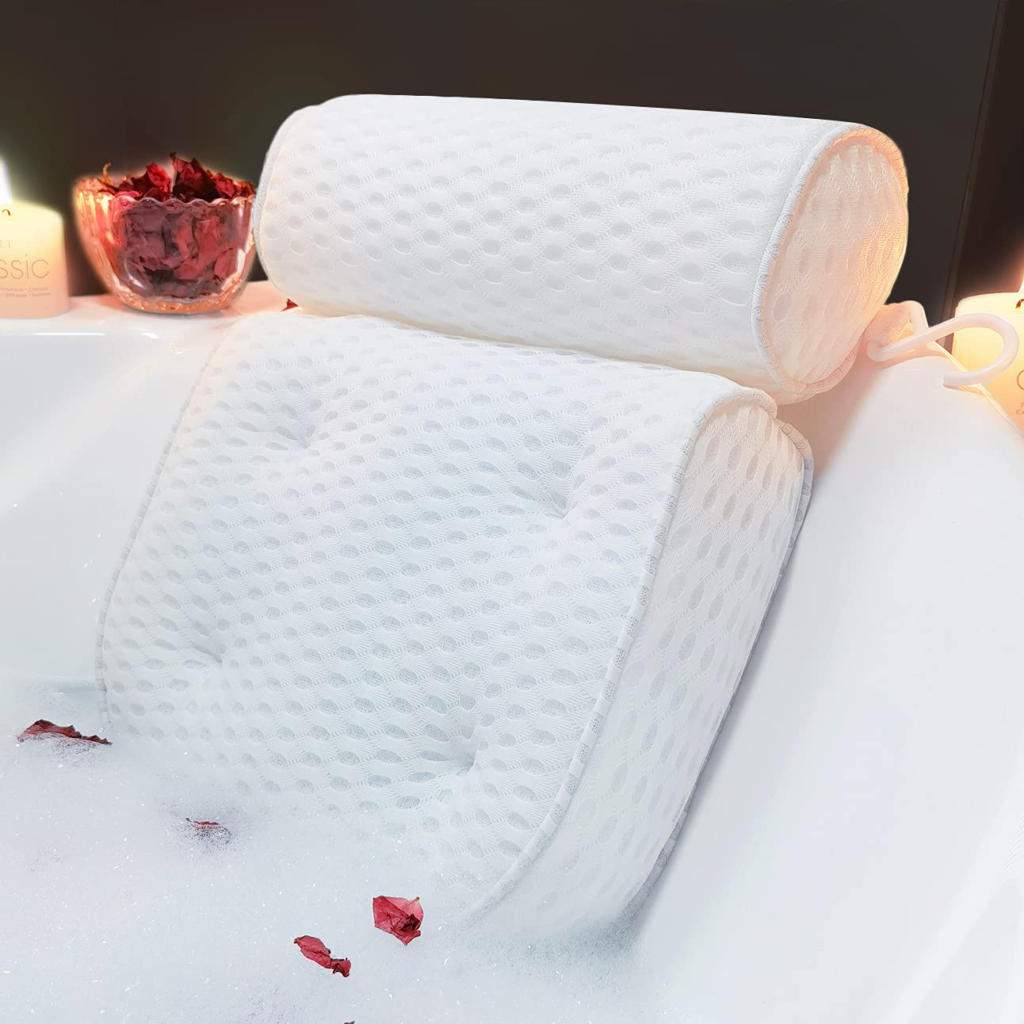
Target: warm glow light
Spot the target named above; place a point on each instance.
(5, 185)
(976, 347)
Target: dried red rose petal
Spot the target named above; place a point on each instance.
(193, 181)
(398, 917)
(313, 949)
(228, 188)
(153, 183)
(45, 728)
(210, 829)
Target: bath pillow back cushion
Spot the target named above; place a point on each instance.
(755, 247)
(488, 599)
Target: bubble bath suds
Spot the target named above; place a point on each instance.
(115, 909)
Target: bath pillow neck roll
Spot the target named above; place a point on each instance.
(755, 247)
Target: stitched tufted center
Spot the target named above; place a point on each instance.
(392, 575)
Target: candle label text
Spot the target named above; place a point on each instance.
(24, 269)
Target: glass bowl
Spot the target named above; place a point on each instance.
(166, 255)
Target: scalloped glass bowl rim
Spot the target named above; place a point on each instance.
(89, 186)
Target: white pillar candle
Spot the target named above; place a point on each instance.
(976, 346)
(33, 266)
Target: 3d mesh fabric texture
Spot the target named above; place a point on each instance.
(488, 598)
(751, 246)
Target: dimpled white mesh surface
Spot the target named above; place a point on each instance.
(491, 599)
(755, 247)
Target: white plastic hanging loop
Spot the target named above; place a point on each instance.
(883, 332)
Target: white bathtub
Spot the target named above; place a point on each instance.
(88, 401)
(853, 853)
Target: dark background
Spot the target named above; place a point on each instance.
(85, 87)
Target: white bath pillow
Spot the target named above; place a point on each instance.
(755, 247)
(488, 599)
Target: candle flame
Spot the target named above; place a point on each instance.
(5, 185)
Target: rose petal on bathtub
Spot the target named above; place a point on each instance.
(44, 728)
(313, 949)
(212, 830)
(399, 917)
(288, 304)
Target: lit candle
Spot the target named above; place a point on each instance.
(976, 346)
(33, 268)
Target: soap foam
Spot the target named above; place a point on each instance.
(115, 909)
